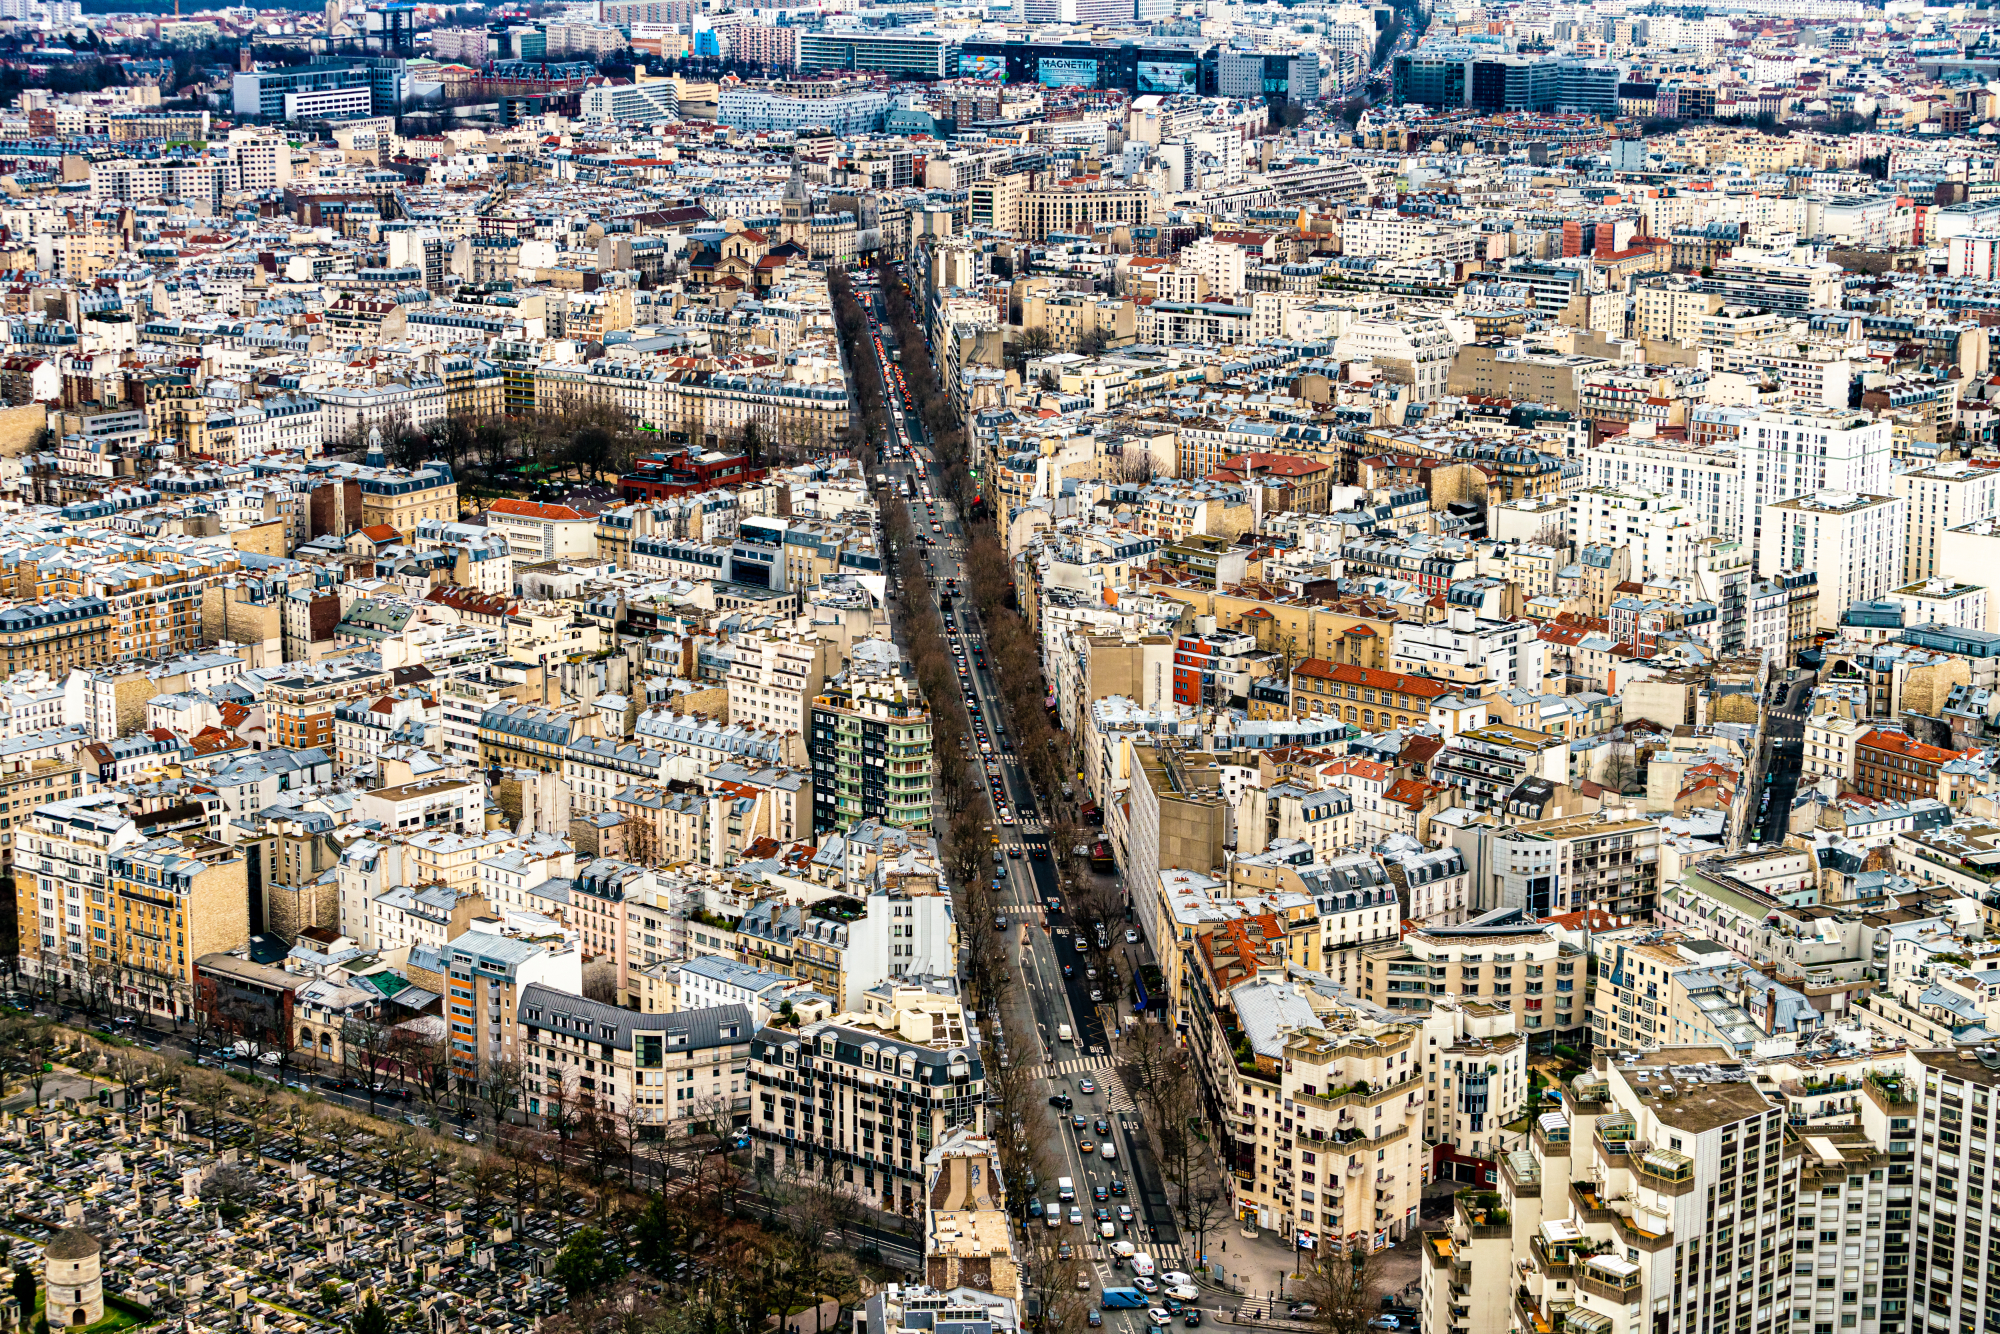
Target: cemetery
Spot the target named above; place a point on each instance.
(257, 1215)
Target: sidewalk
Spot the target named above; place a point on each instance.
(1263, 1268)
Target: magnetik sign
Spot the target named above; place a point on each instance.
(1065, 72)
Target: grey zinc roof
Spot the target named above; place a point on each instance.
(1268, 1011)
(577, 1016)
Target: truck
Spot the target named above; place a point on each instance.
(1065, 1189)
(1064, 1032)
(1116, 1298)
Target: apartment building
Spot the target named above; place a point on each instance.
(1510, 966)
(1892, 766)
(1802, 451)
(1655, 990)
(1363, 695)
(865, 1097)
(666, 1074)
(1853, 541)
(1327, 1130)
(61, 887)
(485, 973)
(1661, 1187)
(870, 738)
(1546, 868)
(529, 736)
(773, 679)
(1486, 763)
(300, 708)
(55, 636)
(1941, 497)
(1468, 648)
(1707, 480)
(170, 901)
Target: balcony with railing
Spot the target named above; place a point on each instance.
(1616, 1135)
(1889, 1092)
(1609, 1277)
(1665, 1171)
(1529, 1314)
(1479, 1212)
(1554, 1259)
(1583, 1320)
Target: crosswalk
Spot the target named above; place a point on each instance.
(1078, 1065)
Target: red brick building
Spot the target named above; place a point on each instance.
(1891, 766)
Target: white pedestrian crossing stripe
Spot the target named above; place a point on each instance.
(1081, 1065)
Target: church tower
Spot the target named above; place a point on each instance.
(796, 212)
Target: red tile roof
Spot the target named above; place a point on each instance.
(1347, 673)
(528, 509)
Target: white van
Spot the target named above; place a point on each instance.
(1108, 1151)
(1065, 1189)
(1063, 1032)
(1142, 1265)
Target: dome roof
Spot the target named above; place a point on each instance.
(72, 1243)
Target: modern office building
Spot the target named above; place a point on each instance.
(1480, 75)
(914, 55)
(1134, 69)
(1273, 76)
(263, 92)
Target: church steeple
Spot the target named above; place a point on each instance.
(796, 209)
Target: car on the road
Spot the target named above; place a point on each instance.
(1086, 1085)
(1076, 1215)
(1103, 1126)
(1107, 1229)
(1090, 973)
(1302, 1308)
(269, 1058)
(1085, 1146)
(1062, 1100)
(1034, 1208)
(1124, 1213)
(1014, 853)
(1158, 1315)
(1096, 996)
(1078, 1122)
(1131, 936)
(1144, 1284)
(1094, 1318)
(1063, 1251)
(1117, 1185)
(1101, 1215)
(1191, 1317)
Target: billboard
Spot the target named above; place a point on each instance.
(1165, 76)
(982, 66)
(1064, 72)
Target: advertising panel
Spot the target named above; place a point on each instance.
(1165, 76)
(982, 66)
(1064, 72)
